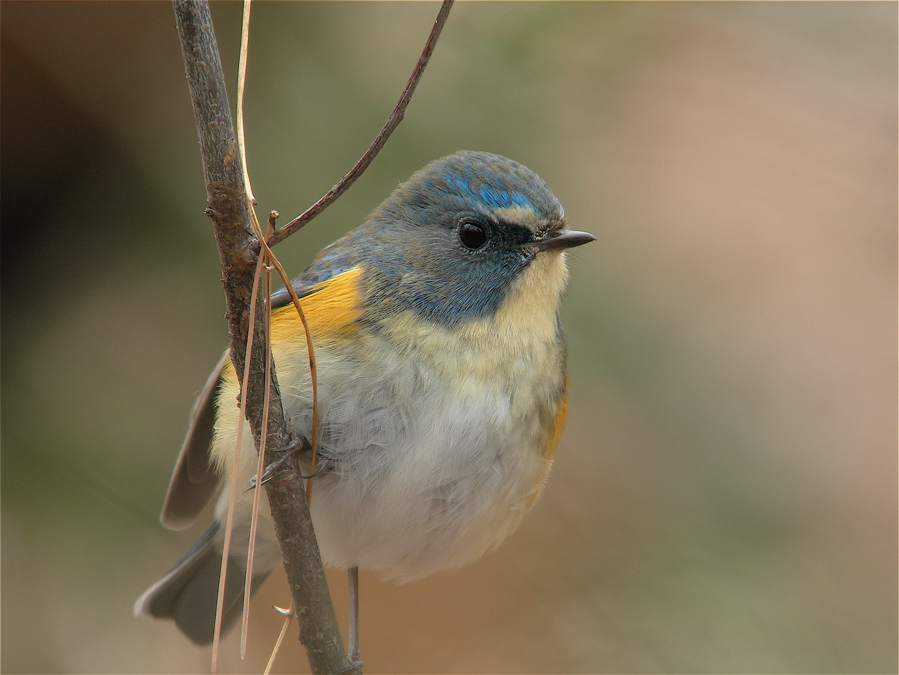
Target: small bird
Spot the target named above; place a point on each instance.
(442, 389)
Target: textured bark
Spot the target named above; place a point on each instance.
(238, 250)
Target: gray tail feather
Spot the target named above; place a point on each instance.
(188, 592)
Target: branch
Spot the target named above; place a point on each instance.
(238, 251)
(392, 123)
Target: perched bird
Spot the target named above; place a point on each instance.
(441, 388)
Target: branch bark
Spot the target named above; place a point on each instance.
(238, 249)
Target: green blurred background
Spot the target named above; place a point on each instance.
(724, 499)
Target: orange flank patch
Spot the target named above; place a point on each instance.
(549, 451)
(561, 419)
(330, 309)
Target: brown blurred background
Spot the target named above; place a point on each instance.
(724, 499)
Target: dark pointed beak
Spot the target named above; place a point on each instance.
(560, 239)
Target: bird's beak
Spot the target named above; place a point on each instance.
(560, 239)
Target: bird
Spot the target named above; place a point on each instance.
(442, 390)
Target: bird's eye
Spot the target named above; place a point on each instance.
(473, 235)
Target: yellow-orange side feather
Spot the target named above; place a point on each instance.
(549, 450)
(331, 309)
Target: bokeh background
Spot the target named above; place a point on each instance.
(724, 499)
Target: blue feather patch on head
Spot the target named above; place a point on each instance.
(501, 200)
(487, 194)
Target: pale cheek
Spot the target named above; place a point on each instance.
(533, 302)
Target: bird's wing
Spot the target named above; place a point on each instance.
(194, 480)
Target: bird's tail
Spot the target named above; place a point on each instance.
(188, 592)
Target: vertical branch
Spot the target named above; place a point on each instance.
(238, 247)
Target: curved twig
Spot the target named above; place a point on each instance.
(392, 123)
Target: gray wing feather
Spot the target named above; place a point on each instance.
(188, 593)
(194, 481)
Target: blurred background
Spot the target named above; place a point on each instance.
(724, 498)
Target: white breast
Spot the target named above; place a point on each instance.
(427, 476)
(437, 443)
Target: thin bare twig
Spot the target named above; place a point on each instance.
(241, 88)
(260, 464)
(270, 257)
(235, 472)
(313, 368)
(392, 123)
(288, 615)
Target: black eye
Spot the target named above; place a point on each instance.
(472, 235)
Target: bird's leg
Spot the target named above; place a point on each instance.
(353, 578)
(301, 445)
